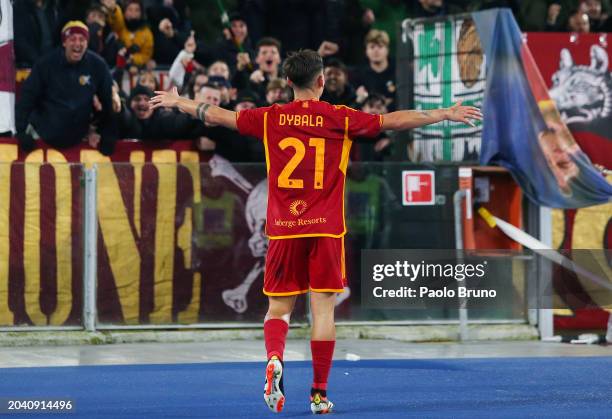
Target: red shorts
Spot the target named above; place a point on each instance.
(294, 266)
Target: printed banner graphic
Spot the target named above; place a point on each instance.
(449, 66)
(523, 130)
(577, 71)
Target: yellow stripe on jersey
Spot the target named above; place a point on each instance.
(344, 107)
(327, 290)
(266, 142)
(343, 261)
(344, 161)
(284, 294)
(346, 147)
(298, 236)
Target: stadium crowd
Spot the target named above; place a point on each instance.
(95, 64)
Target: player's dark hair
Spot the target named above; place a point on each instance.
(303, 67)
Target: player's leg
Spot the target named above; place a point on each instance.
(276, 326)
(323, 341)
(285, 278)
(327, 273)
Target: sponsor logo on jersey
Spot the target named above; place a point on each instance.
(298, 207)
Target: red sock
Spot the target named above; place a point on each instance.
(322, 353)
(275, 334)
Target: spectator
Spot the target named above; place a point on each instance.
(366, 149)
(148, 79)
(197, 80)
(167, 40)
(74, 9)
(429, 8)
(277, 92)
(170, 27)
(337, 89)
(219, 68)
(246, 100)
(184, 64)
(57, 99)
(298, 23)
(36, 25)
(225, 88)
(235, 40)
(268, 61)
(102, 40)
(175, 10)
(356, 23)
(138, 120)
(378, 76)
(514, 5)
(232, 145)
(207, 141)
(597, 17)
(578, 22)
(132, 30)
(540, 15)
(209, 94)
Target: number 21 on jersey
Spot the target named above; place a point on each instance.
(284, 179)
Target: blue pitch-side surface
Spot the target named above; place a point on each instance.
(467, 388)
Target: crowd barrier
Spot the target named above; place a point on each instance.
(169, 236)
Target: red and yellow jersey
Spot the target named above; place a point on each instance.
(307, 146)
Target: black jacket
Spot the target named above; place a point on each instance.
(162, 125)
(57, 99)
(28, 32)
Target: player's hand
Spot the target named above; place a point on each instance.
(257, 76)
(165, 99)
(465, 114)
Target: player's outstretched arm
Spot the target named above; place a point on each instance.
(210, 114)
(401, 120)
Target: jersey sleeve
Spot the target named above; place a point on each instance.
(250, 122)
(362, 124)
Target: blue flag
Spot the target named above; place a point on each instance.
(523, 131)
